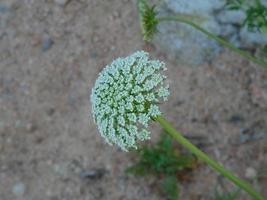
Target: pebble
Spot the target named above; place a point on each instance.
(93, 55)
(244, 138)
(60, 169)
(231, 16)
(3, 8)
(236, 119)
(18, 124)
(18, 189)
(30, 127)
(112, 48)
(50, 111)
(116, 14)
(61, 2)
(36, 40)
(47, 44)
(95, 39)
(250, 173)
(93, 174)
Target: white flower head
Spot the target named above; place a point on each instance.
(125, 98)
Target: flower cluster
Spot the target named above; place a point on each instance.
(126, 97)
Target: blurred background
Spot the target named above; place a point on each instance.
(51, 52)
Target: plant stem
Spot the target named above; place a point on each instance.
(204, 157)
(216, 38)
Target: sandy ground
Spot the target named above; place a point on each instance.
(50, 55)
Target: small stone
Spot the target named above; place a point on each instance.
(30, 127)
(249, 37)
(61, 2)
(93, 174)
(244, 138)
(9, 140)
(116, 15)
(228, 30)
(36, 40)
(49, 162)
(49, 193)
(236, 119)
(47, 44)
(93, 55)
(60, 169)
(50, 111)
(231, 16)
(95, 39)
(18, 124)
(18, 189)
(250, 173)
(3, 8)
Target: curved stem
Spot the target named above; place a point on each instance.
(216, 38)
(204, 157)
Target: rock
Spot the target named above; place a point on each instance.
(3, 8)
(30, 127)
(47, 44)
(183, 42)
(228, 30)
(50, 111)
(244, 138)
(60, 169)
(93, 55)
(264, 2)
(186, 44)
(61, 2)
(236, 119)
(190, 46)
(18, 189)
(231, 16)
(250, 173)
(93, 174)
(249, 38)
(194, 6)
(18, 124)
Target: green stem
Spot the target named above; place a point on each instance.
(204, 157)
(216, 38)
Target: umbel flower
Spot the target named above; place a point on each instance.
(125, 98)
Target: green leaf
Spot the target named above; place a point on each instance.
(170, 188)
(163, 159)
(137, 169)
(185, 161)
(256, 13)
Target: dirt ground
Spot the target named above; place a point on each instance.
(50, 55)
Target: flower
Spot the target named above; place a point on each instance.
(148, 20)
(125, 98)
